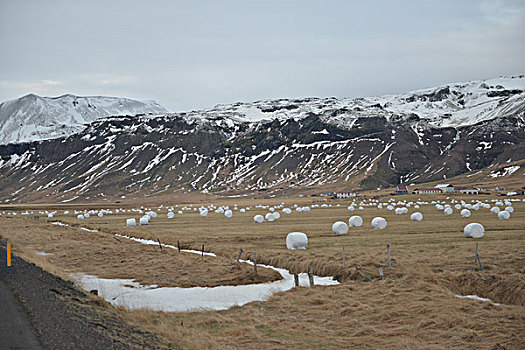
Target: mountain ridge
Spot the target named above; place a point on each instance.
(34, 118)
(278, 146)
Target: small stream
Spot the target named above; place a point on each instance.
(133, 295)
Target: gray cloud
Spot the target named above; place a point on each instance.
(190, 55)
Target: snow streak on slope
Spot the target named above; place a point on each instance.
(279, 145)
(33, 118)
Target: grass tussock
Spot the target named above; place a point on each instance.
(414, 305)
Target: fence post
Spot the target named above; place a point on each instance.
(381, 272)
(478, 259)
(255, 262)
(296, 279)
(203, 251)
(388, 252)
(344, 257)
(178, 246)
(311, 276)
(160, 245)
(239, 256)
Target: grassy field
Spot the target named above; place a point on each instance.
(412, 307)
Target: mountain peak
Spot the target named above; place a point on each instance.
(34, 118)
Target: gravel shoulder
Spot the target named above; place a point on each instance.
(43, 311)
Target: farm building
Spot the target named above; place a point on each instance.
(500, 188)
(401, 190)
(445, 187)
(426, 191)
(466, 190)
(345, 194)
(326, 194)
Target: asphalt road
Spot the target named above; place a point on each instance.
(16, 331)
(41, 311)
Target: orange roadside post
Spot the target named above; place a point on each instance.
(8, 254)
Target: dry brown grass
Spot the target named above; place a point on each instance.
(73, 250)
(413, 307)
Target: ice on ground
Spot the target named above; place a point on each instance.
(58, 223)
(132, 295)
(42, 253)
(475, 297)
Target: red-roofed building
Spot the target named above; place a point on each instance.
(401, 190)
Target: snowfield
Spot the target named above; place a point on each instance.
(34, 118)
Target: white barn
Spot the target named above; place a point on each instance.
(445, 187)
(345, 194)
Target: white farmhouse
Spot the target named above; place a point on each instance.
(344, 194)
(445, 187)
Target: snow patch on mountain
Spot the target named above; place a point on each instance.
(451, 105)
(34, 118)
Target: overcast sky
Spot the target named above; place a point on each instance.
(196, 54)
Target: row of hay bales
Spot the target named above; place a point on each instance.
(472, 230)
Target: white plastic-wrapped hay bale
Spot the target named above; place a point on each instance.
(258, 219)
(296, 240)
(287, 211)
(416, 216)
(204, 212)
(340, 228)
(276, 215)
(100, 214)
(503, 215)
(465, 213)
(509, 209)
(152, 214)
(80, 216)
(457, 206)
(351, 208)
(269, 217)
(86, 215)
(379, 223)
(131, 223)
(495, 210)
(399, 211)
(228, 213)
(448, 211)
(144, 220)
(355, 221)
(242, 210)
(66, 212)
(49, 215)
(474, 230)
(180, 212)
(171, 215)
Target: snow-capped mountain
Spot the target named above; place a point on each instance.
(280, 146)
(33, 118)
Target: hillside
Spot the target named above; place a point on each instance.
(278, 147)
